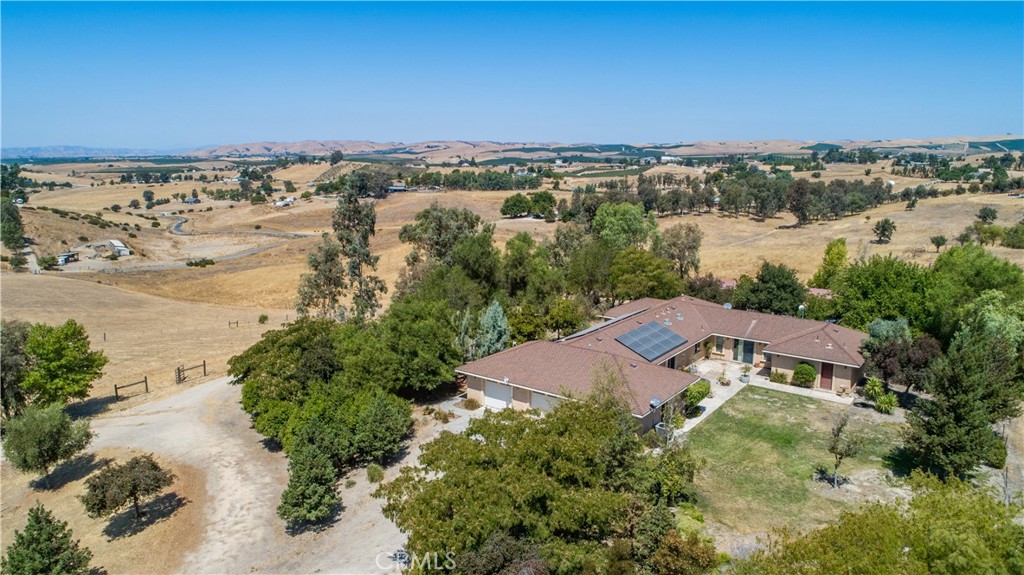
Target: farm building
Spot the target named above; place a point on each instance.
(652, 343)
(66, 258)
(119, 249)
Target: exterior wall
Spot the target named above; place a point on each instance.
(520, 398)
(648, 421)
(844, 378)
(475, 389)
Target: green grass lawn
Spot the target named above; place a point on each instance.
(762, 450)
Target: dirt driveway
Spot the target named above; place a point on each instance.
(205, 427)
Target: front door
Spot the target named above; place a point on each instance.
(748, 352)
(826, 375)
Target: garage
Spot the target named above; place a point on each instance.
(542, 402)
(497, 395)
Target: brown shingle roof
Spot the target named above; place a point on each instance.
(695, 320)
(561, 370)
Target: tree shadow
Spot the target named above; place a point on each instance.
(271, 444)
(823, 474)
(72, 470)
(124, 524)
(900, 461)
(296, 529)
(90, 407)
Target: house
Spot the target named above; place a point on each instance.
(540, 374)
(705, 329)
(193, 201)
(119, 248)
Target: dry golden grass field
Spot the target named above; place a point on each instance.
(141, 334)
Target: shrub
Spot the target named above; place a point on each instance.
(777, 376)
(874, 389)
(18, 262)
(350, 483)
(263, 318)
(375, 473)
(443, 416)
(804, 375)
(257, 227)
(132, 235)
(471, 404)
(154, 224)
(201, 263)
(83, 238)
(886, 402)
(47, 262)
(696, 394)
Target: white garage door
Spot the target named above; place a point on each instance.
(541, 402)
(497, 395)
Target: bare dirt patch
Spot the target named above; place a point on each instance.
(157, 543)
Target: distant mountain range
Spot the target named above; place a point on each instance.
(498, 152)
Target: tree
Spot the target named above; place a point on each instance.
(311, 495)
(961, 274)
(147, 195)
(437, 230)
(493, 335)
(589, 270)
(987, 215)
(637, 273)
(689, 555)
(14, 362)
(63, 367)
(904, 361)
(884, 228)
(354, 223)
(938, 242)
(832, 265)
(134, 204)
(320, 292)
(42, 437)
(422, 335)
(46, 546)
(681, 245)
(776, 290)
(515, 205)
(624, 225)
(882, 287)
(970, 388)
(12, 233)
(947, 527)
(117, 486)
(842, 444)
(336, 157)
(580, 473)
(566, 316)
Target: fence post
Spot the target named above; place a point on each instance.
(204, 368)
(145, 382)
(116, 397)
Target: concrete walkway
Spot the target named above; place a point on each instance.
(710, 369)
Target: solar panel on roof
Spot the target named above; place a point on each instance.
(651, 341)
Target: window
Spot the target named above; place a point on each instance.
(671, 363)
(696, 347)
(719, 343)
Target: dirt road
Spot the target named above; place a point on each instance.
(205, 427)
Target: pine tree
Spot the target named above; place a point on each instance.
(311, 495)
(952, 431)
(45, 547)
(494, 331)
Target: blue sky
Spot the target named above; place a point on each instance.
(172, 75)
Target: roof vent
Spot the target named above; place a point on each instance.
(632, 364)
(506, 380)
(667, 321)
(727, 305)
(828, 346)
(599, 338)
(679, 316)
(815, 339)
(655, 402)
